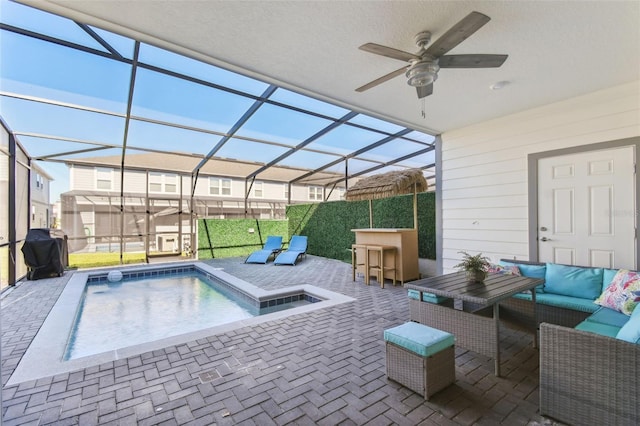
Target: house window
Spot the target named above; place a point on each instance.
(315, 193)
(219, 186)
(171, 183)
(155, 182)
(104, 178)
(39, 181)
(258, 190)
(158, 180)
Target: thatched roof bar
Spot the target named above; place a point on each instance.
(388, 185)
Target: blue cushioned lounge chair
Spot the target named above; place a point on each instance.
(297, 249)
(272, 246)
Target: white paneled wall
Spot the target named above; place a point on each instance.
(484, 167)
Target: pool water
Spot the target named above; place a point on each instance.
(133, 311)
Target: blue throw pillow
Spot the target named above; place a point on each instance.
(630, 332)
(574, 281)
(531, 271)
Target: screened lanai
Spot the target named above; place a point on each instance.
(124, 145)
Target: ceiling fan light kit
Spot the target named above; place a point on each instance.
(424, 65)
(422, 73)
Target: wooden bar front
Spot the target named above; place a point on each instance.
(405, 241)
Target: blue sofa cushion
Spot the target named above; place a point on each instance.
(532, 271)
(560, 301)
(609, 317)
(426, 297)
(573, 281)
(607, 277)
(420, 339)
(598, 328)
(630, 332)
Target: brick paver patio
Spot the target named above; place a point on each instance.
(325, 367)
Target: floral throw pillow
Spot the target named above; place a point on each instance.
(623, 294)
(501, 269)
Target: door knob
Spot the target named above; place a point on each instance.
(545, 239)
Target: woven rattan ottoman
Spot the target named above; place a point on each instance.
(420, 358)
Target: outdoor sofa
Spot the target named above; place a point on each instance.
(589, 354)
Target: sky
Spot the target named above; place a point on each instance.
(32, 67)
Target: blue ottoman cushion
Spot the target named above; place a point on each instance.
(426, 297)
(420, 339)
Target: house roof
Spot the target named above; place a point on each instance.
(214, 167)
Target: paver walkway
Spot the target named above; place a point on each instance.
(325, 367)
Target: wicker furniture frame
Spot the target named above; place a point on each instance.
(479, 330)
(587, 378)
(424, 375)
(519, 311)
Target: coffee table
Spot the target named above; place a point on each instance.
(473, 314)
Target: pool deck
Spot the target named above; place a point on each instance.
(322, 367)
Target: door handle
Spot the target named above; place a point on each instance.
(545, 239)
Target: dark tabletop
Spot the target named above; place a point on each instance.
(495, 287)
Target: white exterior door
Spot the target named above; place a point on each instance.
(586, 209)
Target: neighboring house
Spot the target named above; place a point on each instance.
(158, 203)
(41, 215)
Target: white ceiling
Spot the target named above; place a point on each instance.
(557, 49)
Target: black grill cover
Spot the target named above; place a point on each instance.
(44, 255)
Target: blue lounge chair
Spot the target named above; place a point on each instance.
(297, 249)
(272, 246)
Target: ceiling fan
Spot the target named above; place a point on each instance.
(424, 65)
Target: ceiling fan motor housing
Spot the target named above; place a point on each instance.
(422, 39)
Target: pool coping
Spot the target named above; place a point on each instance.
(44, 356)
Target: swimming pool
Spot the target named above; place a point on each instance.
(127, 311)
(46, 353)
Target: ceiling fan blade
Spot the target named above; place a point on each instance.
(424, 91)
(458, 33)
(471, 61)
(381, 79)
(389, 52)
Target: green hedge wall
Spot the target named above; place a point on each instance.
(328, 225)
(231, 237)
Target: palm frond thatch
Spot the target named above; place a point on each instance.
(388, 185)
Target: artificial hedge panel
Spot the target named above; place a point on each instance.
(231, 237)
(328, 225)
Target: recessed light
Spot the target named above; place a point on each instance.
(498, 85)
